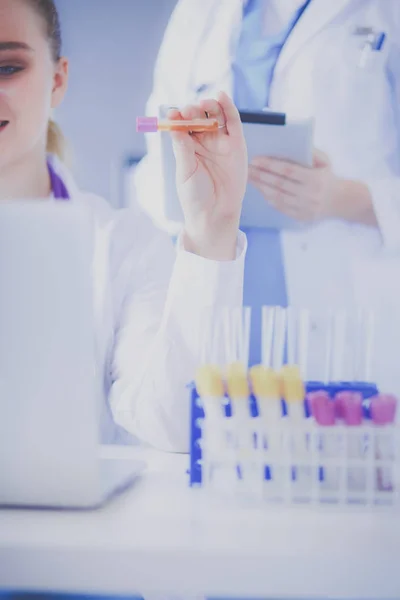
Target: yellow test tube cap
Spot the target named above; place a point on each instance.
(265, 382)
(236, 381)
(293, 389)
(209, 382)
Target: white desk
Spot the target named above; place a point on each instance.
(157, 537)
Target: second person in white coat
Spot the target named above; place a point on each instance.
(305, 59)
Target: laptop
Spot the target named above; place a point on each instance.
(50, 390)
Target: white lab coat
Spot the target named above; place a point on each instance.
(356, 113)
(149, 301)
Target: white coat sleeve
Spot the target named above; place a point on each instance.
(156, 343)
(385, 191)
(169, 89)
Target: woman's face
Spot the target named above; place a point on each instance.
(30, 81)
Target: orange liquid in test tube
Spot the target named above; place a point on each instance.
(153, 124)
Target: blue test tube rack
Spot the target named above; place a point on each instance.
(368, 390)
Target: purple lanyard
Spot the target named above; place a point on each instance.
(58, 187)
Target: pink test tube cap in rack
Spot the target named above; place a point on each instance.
(341, 398)
(383, 409)
(349, 405)
(322, 408)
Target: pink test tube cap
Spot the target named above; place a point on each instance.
(350, 406)
(323, 409)
(383, 409)
(339, 406)
(312, 397)
(146, 124)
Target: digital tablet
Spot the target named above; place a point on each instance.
(267, 133)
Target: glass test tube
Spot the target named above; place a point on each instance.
(153, 124)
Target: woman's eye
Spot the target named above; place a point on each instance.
(9, 70)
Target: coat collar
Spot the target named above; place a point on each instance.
(223, 28)
(317, 16)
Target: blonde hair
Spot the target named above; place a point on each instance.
(47, 10)
(55, 141)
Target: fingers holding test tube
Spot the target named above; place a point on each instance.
(211, 172)
(204, 131)
(211, 176)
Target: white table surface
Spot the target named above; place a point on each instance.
(159, 536)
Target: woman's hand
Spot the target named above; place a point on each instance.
(211, 177)
(303, 193)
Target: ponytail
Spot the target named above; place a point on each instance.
(56, 141)
(47, 10)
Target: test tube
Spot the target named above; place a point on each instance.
(350, 407)
(298, 330)
(322, 408)
(266, 387)
(383, 413)
(236, 332)
(294, 394)
(153, 124)
(209, 385)
(239, 392)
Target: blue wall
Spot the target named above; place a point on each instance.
(112, 45)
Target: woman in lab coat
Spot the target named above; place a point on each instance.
(338, 62)
(147, 303)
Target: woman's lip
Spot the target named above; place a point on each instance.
(3, 125)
